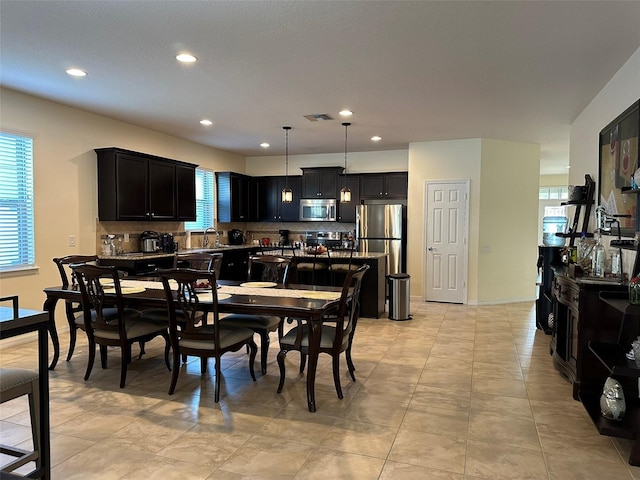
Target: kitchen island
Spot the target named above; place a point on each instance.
(235, 265)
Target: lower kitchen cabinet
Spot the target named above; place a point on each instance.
(235, 264)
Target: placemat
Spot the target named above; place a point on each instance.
(258, 284)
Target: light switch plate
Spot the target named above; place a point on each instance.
(72, 240)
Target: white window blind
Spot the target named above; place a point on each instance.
(204, 201)
(16, 202)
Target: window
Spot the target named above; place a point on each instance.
(204, 201)
(16, 202)
(553, 193)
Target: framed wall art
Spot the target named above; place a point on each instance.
(619, 171)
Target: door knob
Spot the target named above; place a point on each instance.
(430, 249)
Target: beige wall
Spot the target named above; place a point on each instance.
(554, 180)
(503, 205)
(508, 221)
(444, 160)
(66, 183)
(357, 162)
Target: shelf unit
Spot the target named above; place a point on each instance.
(613, 357)
(587, 202)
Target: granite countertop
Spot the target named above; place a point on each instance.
(225, 248)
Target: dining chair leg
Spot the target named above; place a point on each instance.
(72, 337)
(103, 356)
(91, 359)
(303, 362)
(336, 375)
(175, 372)
(281, 356)
(350, 364)
(203, 365)
(142, 351)
(252, 357)
(217, 379)
(123, 365)
(264, 350)
(167, 345)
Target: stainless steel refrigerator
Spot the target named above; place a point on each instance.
(380, 228)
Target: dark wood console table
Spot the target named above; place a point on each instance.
(581, 317)
(34, 321)
(611, 355)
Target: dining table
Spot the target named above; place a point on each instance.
(309, 303)
(20, 322)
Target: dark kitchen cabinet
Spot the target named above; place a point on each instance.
(347, 211)
(185, 193)
(233, 193)
(140, 187)
(269, 192)
(320, 182)
(383, 185)
(235, 264)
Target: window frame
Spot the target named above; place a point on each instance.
(208, 196)
(17, 193)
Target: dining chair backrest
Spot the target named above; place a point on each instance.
(274, 268)
(14, 304)
(199, 261)
(92, 280)
(63, 263)
(182, 296)
(349, 306)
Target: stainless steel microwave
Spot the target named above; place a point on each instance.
(318, 210)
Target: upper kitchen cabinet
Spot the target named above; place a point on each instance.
(347, 211)
(270, 207)
(383, 185)
(320, 182)
(140, 187)
(186, 193)
(234, 197)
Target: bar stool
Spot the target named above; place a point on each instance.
(313, 268)
(14, 383)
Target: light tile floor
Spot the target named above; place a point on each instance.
(458, 392)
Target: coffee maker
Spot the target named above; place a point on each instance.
(284, 237)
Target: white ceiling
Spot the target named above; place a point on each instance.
(411, 71)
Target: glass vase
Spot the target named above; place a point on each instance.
(634, 293)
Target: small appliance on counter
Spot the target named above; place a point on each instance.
(284, 237)
(149, 241)
(236, 237)
(167, 244)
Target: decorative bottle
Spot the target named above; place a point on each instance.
(598, 259)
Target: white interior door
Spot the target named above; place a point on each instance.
(447, 206)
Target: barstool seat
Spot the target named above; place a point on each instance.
(14, 383)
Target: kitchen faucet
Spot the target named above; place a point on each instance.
(205, 241)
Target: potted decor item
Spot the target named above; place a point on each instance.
(634, 291)
(612, 403)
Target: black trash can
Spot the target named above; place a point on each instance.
(399, 296)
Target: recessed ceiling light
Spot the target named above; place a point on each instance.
(346, 113)
(265, 145)
(76, 72)
(206, 122)
(376, 138)
(186, 58)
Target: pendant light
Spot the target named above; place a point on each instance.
(287, 193)
(345, 192)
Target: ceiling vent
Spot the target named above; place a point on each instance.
(318, 117)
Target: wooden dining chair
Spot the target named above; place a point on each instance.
(199, 261)
(269, 268)
(197, 336)
(102, 329)
(73, 310)
(337, 332)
